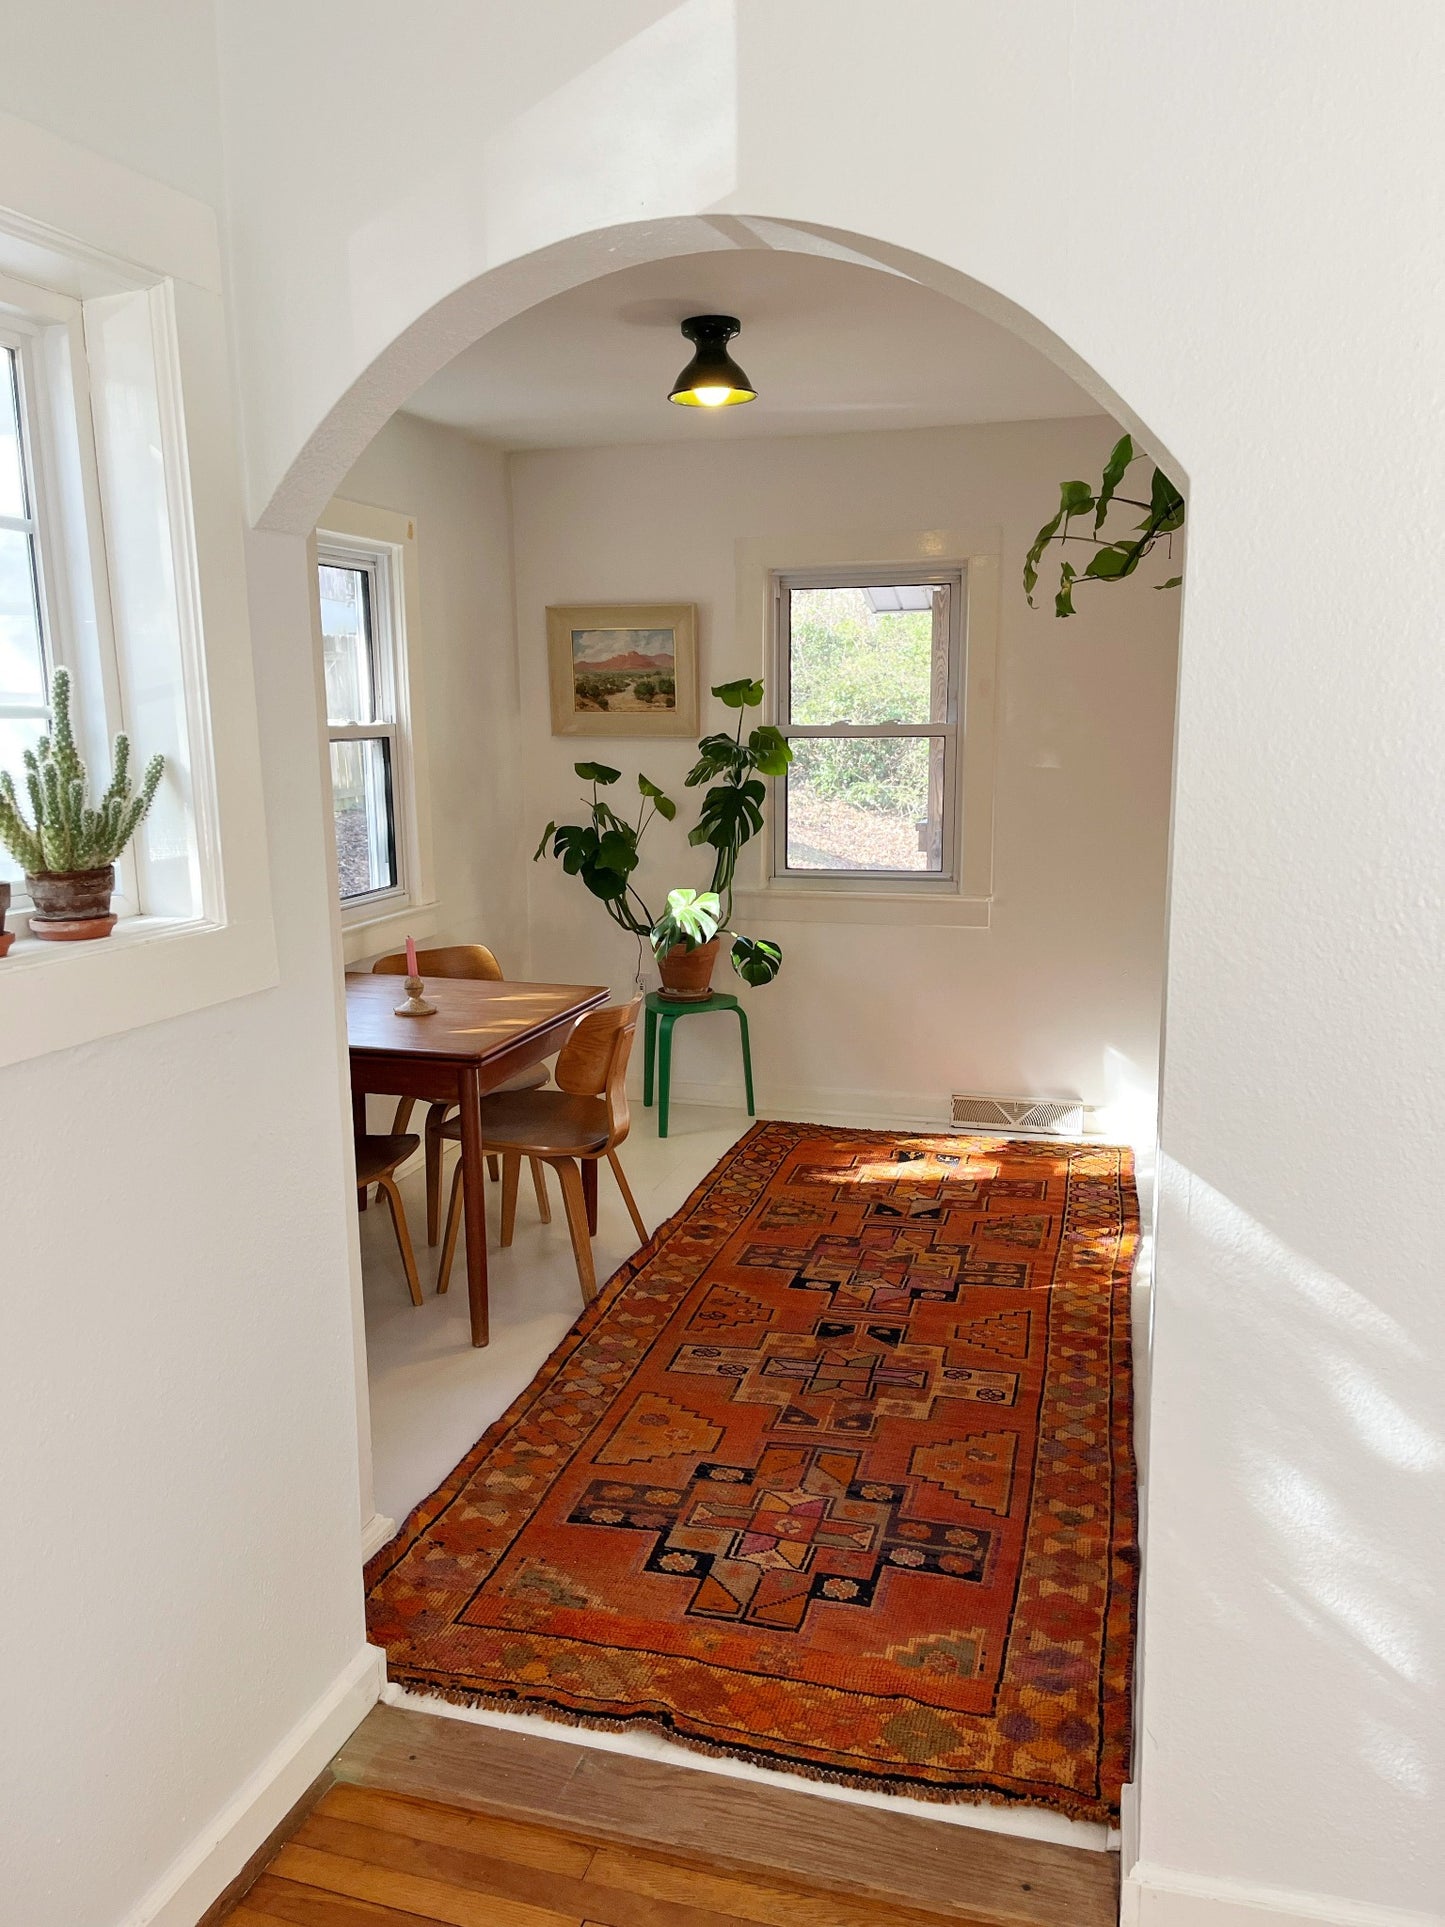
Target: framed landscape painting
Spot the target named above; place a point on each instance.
(624, 669)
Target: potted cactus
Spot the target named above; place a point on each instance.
(68, 847)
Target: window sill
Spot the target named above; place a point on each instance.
(55, 995)
(781, 903)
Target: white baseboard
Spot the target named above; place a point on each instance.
(1159, 1897)
(375, 1534)
(226, 1843)
(900, 1110)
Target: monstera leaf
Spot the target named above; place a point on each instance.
(756, 960)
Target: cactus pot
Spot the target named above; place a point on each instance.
(72, 908)
(687, 974)
(7, 937)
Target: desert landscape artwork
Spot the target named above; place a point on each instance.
(623, 671)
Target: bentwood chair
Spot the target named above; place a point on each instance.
(472, 960)
(584, 1118)
(377, 1159)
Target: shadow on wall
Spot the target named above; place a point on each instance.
(1292, 1524)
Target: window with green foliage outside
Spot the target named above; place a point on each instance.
(868, 678)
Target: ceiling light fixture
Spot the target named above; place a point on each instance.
(712, 379)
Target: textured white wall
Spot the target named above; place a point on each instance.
(1060, 995)
(1230, 214)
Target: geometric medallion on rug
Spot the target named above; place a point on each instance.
(834, 1476)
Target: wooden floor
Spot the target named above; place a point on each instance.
(424, 1821)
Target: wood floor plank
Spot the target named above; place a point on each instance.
(735, 1897)
(614, 1902)
(296, 1905)
(964, 1874)
(434, 1900)
(484, 1833)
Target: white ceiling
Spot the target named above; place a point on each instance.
(829, 345)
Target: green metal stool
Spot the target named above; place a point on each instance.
(665, 1011)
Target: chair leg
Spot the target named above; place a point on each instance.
(454, 1221)
(589, 1192)
(626, 1189)
(404, 1108)
(539, 1185)
(511, 1171)
(492, 1172)
(387, 1185)
(576, 1204)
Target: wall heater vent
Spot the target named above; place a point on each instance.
(1023, 1114)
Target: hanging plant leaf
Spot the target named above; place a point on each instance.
(1107, 565)
(542, 846)
(1166, 506)
(1173, 582)
(1035, 555)
(1064, 600)
(1075, 498)
(1120, 456)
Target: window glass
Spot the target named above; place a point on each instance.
(22, 658)
(869, 803)
(868, 655)
(12, 467)
(365, 823)
(349, 656)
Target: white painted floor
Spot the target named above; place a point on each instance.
(433, 1394)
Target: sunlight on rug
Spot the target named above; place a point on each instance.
(835, 1476)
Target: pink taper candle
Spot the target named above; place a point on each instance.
(411, 969)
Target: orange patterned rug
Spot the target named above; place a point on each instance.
(834, 1476)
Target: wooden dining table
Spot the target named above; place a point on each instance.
(480, 1035)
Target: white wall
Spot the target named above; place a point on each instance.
(1060, 995)
(1230, 215)
(175, 1324)
(457, 489)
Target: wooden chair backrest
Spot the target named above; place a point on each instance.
(452, 960)
(593, 1062)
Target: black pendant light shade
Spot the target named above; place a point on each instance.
(712, 379)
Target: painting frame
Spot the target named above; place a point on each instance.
(643, 625)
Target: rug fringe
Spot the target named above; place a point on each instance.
(967, 1790)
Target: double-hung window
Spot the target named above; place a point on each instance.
(365, 677)
(24, 650)
(867, 677)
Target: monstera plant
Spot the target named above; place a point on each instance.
(604, 851)
(1114, 555)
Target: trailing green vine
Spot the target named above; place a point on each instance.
(1114, 556)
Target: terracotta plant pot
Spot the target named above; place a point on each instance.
(7, 937)
(687, 974)
(73, 908)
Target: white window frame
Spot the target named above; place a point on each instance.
(384, 543)
(117, 283)
(946, 731)
(976, 548)
(58, 459)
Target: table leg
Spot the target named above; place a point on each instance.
(664, 1090)
(589, 1191)
(747, 1059)
(474, 1201)
(358, 1126)
(649, 1054)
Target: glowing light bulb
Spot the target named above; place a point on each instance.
(712, 397)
